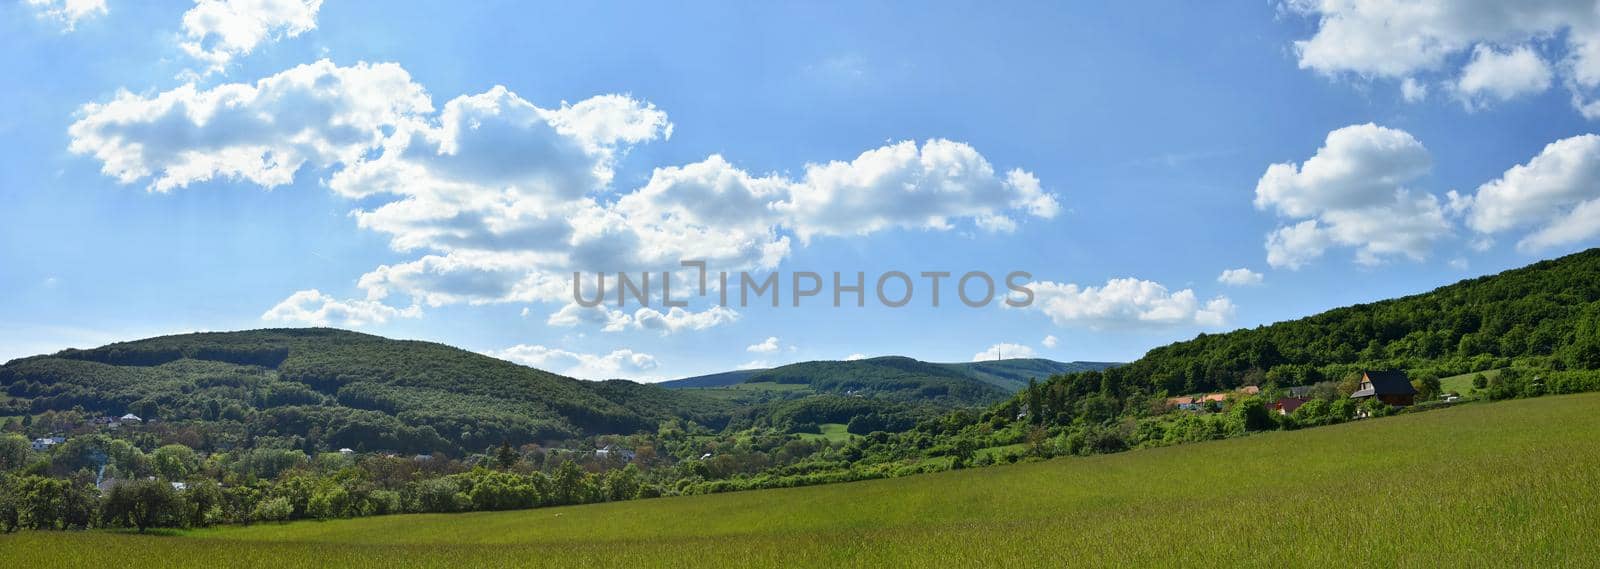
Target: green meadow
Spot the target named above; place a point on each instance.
(1513, 484)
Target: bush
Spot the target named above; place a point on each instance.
(273, 510)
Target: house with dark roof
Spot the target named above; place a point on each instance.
(1287, 405)
(1391, 387)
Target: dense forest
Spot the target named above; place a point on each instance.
(327, 389)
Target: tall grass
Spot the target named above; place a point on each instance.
(1504, 484)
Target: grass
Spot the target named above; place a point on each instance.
(1503, 484)
(1463, 383)
(831, 432)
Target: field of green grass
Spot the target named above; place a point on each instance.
(1463, 383)
(1513, 484)
(831, 432)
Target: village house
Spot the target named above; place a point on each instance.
(614, 451)
(44, 443)
(1287, 405)
(131, 418)
(1391, 387)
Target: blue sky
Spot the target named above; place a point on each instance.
(434, 171)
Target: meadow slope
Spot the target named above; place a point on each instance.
(1503, 484)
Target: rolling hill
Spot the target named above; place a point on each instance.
(334, 388)
(900, 378)
(1542, 319)
(1506, 484)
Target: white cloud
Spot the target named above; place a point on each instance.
(262, 133)
(675, 319)
(1127, 303)
(1557, 193)
(1049, 341)
(614, 365)
(1503, 76)
(1239, 277)
(1413, 90)
(68, 12)
(1295, 246)
(1354, 190)
(854, 357)
(766, 346)
(903, 185)
(502, 200)
(1003, 350)
(217, 31)
(314, 308)
(1405, 39)
(754, 364)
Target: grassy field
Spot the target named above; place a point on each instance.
(1503, 484)
(1463, 383)
(831, 432)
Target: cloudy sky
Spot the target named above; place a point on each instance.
(438, 171)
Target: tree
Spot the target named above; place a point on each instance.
(1427, 386)
(1251, 415)
(506, 457)
(203, 502)
(14, 451)
(1035, 402)
(568, 486)
(142, 504)
(40, 502)
(621, 483)
(174, 462)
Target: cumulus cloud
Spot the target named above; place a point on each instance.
(854, 357)
(1557, 194)
(613, 365)
(1406, 39)
(1127, 303)
(903, 185)
(1003, 350)
(217, 31)
(501, 200)
(314, 308)
(1502, 76)
(1049, 341)
(68, 12)
(262, 133)
(766, 346)
(1239, 277)
(675, 319)
(1354, 190)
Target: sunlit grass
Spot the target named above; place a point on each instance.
(1503, 484)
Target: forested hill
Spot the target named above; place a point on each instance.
(335, 388)
(1545, 316)
(901, 378)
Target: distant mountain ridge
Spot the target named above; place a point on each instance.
(899, 377)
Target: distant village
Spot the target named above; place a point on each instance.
(1392, 387)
